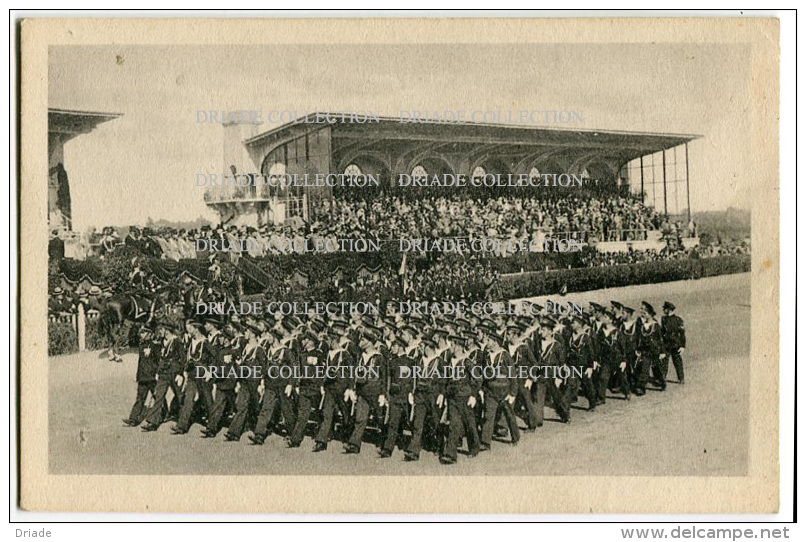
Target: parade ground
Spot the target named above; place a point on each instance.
(697, 429)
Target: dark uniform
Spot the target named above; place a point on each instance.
(496, 386)
(650, 350)
(524, 359)
(248, 397)
(539, 385)
(628, 339)
(425, 429)
(335, 385)
(309, 395)
(171, 363)
(551, 356)
(224, 385)
(612, 356)
(399, 385)
(147, 366)
(201, 357)
(460, 387)
(581, 357)
(601, 374)
(280, 364)
(368, 388)
(674, 338)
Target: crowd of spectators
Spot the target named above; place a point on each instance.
(590, 219)
(585, 217)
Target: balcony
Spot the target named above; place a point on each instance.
(252, 188)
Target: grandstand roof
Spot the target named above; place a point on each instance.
(623, 145)
(70, 123)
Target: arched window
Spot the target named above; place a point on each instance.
(419, 172)
(276, 179)
(352, 170)
(479, 172)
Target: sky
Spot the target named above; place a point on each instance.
(144, 164)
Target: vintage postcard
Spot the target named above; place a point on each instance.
(512, 266)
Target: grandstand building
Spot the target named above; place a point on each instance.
(652, 165)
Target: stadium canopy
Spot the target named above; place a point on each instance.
(389, 147)
(71, 123)
(386, 147)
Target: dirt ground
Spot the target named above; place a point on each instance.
(693, 430)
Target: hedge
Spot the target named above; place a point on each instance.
(62, 337)
(595, 278)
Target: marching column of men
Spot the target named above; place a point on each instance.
(370, 378)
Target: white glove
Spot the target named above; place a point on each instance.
(440, 400)
(588, 372)
(528, 384)
(510, 399)
(381, 400)
(411, 398)
(481, 394)
(623, 365)
(322, 390)
(558, 382)
(596, 365)
(681, 350)
(288, 389)
(471, 402)
(261, 388)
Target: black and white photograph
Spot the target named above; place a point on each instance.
(391, 262)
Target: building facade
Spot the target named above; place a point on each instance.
(386, 148)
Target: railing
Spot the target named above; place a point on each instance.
(250, 188)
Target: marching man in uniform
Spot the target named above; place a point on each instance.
(171, 364)
(650, 349)
(339, 359)
(250, 368)
(399, 389)
(674, 338)
(147, 365)
(367, 391)
(224, 386)
(628, 337)
(198, 381)
(582, 358)
(524, 360)
(498, 390)
(309, 387)
(427, 399)
(277, 388)
(460, 392)
(551, 356)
